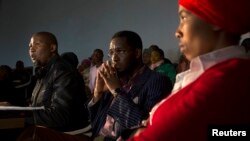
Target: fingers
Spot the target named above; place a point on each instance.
(107, 70)
(109, 75)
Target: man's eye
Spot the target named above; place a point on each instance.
(118, 51)
(121, 51)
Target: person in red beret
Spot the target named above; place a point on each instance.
(211, 100)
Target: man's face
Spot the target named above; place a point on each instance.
(97, 57)
(40, 50)
(196, 36)
(122, 56)
(155, 57)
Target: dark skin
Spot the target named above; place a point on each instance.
(125, 60)
(97, 58)
(41, 50)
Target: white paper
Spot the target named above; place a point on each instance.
(19, 108)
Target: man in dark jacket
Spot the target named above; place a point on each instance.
(126, 89)
(58, 88)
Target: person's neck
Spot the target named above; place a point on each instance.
(125, 77)
(50, 61)
(136, 69)
(225, 40)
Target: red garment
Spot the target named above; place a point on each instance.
(221, 95)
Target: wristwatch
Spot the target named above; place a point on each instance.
(116, 91)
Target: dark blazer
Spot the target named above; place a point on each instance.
(61, 90)
(129, 109)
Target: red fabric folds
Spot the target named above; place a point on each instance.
(231, 16)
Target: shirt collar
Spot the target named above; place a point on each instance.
(201, 63)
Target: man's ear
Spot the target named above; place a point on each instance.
(138, 53)
(53, 48)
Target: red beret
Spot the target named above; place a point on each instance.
(231, 15)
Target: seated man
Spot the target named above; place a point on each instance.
(59, 88)
(126, 89)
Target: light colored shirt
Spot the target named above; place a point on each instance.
(92, 77)
(201, 63)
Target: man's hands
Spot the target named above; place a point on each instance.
(100, 87)
(106, 79)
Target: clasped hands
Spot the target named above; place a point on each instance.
(106, 80)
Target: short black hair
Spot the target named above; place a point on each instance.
(160, 51)
(19, 63)
(152, 47)
(133, 39)
(49, 36)
(99, 51)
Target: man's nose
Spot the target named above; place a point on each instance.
(115, 57)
